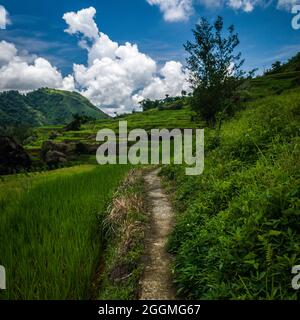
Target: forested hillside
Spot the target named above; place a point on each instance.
(44, 107)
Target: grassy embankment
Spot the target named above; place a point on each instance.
(237, 233)
(124, 232)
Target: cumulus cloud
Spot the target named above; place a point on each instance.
(103, 47)
(4, 18)
(82, 22)
(68, 83)
(117, 77)
(172, 81)
(174, 10)
(19, 75)
(25, 72)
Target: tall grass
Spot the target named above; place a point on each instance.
(49, 232)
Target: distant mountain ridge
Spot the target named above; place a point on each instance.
(44, 107)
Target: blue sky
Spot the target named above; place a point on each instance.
(265, 34)
(37, 28)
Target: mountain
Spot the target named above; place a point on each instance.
(44, 107)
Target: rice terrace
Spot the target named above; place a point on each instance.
(161, 167)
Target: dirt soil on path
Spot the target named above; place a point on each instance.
(157, 280)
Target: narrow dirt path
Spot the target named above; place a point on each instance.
(156, 282)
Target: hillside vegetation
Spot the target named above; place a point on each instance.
(44, 107)
(144, 120)
(237, 233)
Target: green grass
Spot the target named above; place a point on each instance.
(50, 230)
(237, 232)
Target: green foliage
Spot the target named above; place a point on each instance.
(15, 109)
(275, 68)
(44, 107)
(21, 133)
(237, 232)
(169, 103)
(50, 230)
(148, 104)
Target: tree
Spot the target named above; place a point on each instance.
(148, 104)
(78, 120)
(275, 68)
(215, 69)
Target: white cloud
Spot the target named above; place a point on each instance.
(171, 82)
(82, 22)
(4, 18)
(103, 47)
(110, 80)
(181, 10)
(174, 10)
(117, 76)
(7, 52)
(19, 72)
(68, 83)
(19, 75)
